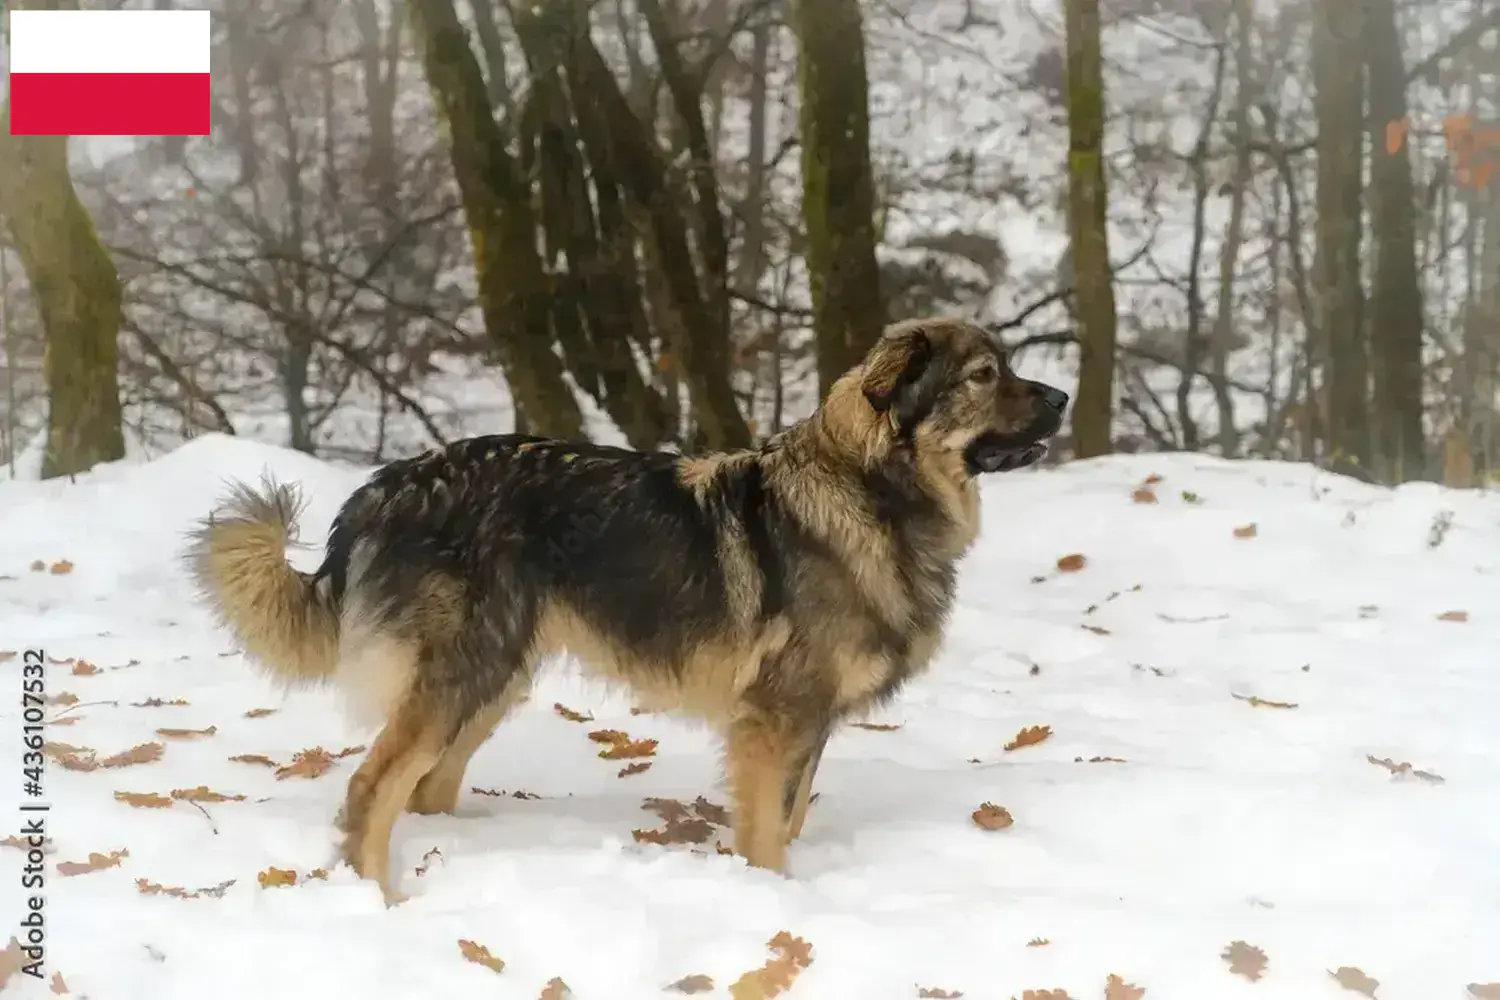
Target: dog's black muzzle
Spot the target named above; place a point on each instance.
(997, 452)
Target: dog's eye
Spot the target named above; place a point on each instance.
(982, 376)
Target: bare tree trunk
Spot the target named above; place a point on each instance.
(838, 186)
(1223, 335)
(752, 260)
(1093, 411)
(513, 288)
(1192, 348)
(1338, 72)
(1397, 293)
(77, 292)
(493, 46)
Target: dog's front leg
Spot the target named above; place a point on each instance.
(764, 757)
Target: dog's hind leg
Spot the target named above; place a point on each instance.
(439, 789)
(800, 794)
(764, 755)
(406, 749)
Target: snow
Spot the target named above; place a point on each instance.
(1228, 821)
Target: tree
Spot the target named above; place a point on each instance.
(838, 189)
(1396, 323)
(1093, 411)
(77, 293)
(1338, 74)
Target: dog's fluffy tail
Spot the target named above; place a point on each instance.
(279, 616)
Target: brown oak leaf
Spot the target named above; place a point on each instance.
(697, 983)
(60, 568)
(143, 753)
(992, 817)
(877, 727)
(937, 993)
(1403, 768)
(635, 768)
(1245, 960)
(187, 734)
(144, 800)
(1257, 702)
(1246, 531)
(24, 844)
(311, 763)
(62, 698)
(792, 955)
(254, 758)
(569, 714)
(59, 987)
(1116, 988)
(1045, 995)
(1029, 736)
(609, 736)
(1355, 980)
(1484, 991)
(555, 989)
(630, 750)
(259, 713)
(1453, 616)
(83, 668)
(159, 703)
(71, 758)
(477, 953)
(11, 960)
(96, 863)
(1143, 494)
(273, 877)
(202, 793)
(1039, 942)
(1072, 563)
(146, 887)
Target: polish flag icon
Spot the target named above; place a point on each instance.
(109, 72)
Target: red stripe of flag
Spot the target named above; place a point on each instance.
(110, 104)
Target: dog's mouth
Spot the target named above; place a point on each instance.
(988, 455)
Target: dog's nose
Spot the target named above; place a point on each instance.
(1055, 398)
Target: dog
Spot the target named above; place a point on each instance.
(770, 592)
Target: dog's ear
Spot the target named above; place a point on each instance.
(893, 364)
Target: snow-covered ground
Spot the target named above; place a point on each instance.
(1218, 700)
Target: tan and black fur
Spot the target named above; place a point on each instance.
(770, 592)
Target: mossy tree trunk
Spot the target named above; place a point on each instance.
(1338, 73)
(77, 292)
(1396, 333)
(1093, 411)
(838, 187)
(514, 292)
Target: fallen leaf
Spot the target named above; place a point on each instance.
(60, 568)
(1038, 942)
(992, 817)
(203, 793)
(58, 986)
(259, 713)
(1402, 768)
(143, 753)
(477, 953)
(501, 793)
(1453, 616)
(144, 800)
(83, 668)
(609, 736)
(1029, 736)
(187, 734)
(1355, 980)
(691, 830)
(313, 763)
(698, 983)
(1144, 494)
(635, 768)
(1072, 563)
(64, 698)
(320, 874)
(1116, 988)
(37, 566)
(630, 749)
(555, 989)
(1245, 531)
(935, 993)
(1245, 960)
(1152, 479)
(96, 863)
(24, 844)
(1101, 760)
(427, 860)
(7, 655)
(877, 727)
(1188, 496)
(1256, 702)
(71, 758)
(569, 714)
(273, 877)
(11, 960)
(777, 975)
(713, 812)
(1096, 629)
(1479, 991)
(146, 887)
(159, 703)
(1045, 995)
(254, 758)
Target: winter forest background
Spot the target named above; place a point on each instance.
(668, 222)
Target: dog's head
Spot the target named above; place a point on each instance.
(945, 386)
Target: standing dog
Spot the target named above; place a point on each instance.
(771, 592)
